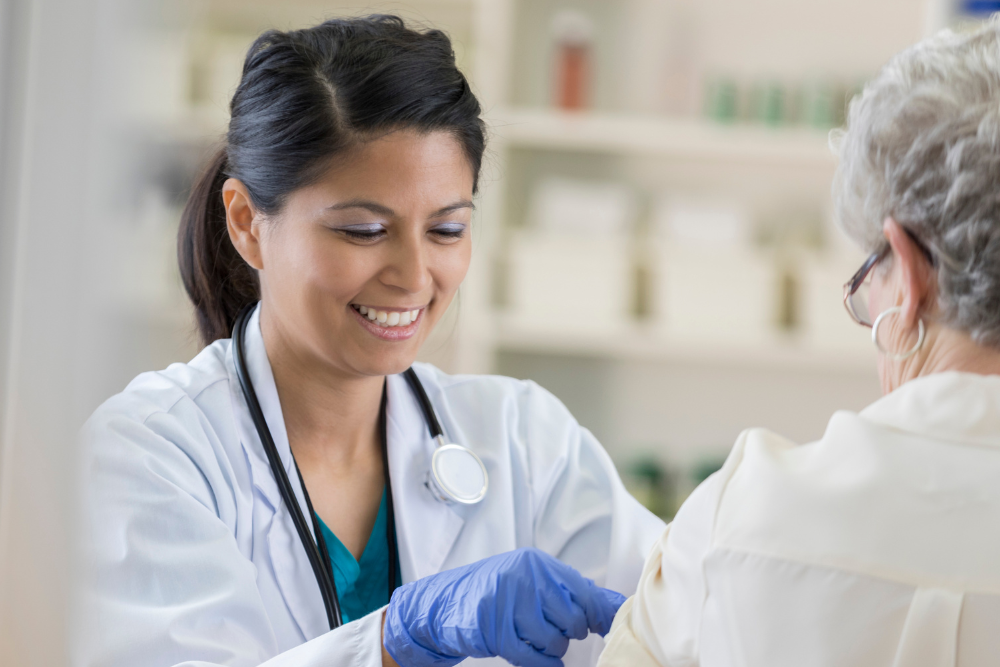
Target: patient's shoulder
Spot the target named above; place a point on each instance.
(865, 498)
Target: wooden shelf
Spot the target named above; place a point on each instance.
(661, 136)
(637, 342)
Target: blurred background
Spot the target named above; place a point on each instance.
(653, 242)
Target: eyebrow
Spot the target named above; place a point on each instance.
(366, 204)
(379, 209)
(457, 206)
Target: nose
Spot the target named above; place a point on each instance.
(407, 268)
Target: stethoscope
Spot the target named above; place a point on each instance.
(456, 474)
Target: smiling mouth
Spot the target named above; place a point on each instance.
(389, 318)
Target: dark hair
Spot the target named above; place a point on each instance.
(305, 97)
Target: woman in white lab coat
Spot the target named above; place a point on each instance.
(880, 543)
(342, 204)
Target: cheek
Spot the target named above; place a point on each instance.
(312, 261)
(451, 265)
(341, 271)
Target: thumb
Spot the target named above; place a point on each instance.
(607, 604)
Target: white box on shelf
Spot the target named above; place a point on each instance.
(715, 294)
(562, 205)
(702, 221)
(570, 283)
(826, 324)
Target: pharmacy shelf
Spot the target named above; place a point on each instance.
(638, 342)
(660, 136)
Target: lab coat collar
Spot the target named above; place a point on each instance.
(426, 529)
(259, 369)
(952, 406)
(292, 570)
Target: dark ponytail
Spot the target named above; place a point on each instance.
(305, 97)
(218, 281)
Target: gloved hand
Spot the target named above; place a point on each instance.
(523, 606)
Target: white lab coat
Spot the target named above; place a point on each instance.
(878, 545)
(192, 559)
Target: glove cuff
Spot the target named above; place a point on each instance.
(405, 650)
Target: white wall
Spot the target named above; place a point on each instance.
(11, 98)
(58, 148)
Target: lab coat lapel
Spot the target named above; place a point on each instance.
(426, 528)
(292, 569)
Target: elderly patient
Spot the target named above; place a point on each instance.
(880, 543)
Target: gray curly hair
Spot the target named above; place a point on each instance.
(922, 144)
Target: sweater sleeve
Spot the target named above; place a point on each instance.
(661, 623)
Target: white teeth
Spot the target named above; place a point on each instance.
(393, 318)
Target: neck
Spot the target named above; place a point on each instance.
(331, 416)
(944, 350)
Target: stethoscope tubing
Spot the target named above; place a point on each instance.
(425, 402)
(327, 587)
(316, 550)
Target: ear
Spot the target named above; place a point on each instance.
(916, 273)
(240, 218)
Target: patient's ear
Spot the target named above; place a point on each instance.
(917, 275)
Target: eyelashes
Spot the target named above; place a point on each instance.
(373, 232)
(363, 232)
(451, 230)
(363, 236)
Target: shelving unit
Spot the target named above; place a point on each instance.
(642, 343)
(679, 141)
(694, 395)
(658, 136)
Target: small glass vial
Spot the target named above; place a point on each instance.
(573, 33)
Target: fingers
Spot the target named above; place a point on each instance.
(610, 601)
(613, 598)
(562, 612)
(554, 587)
(564, 592)
(523, 655)
(542, 636)
(600, 606)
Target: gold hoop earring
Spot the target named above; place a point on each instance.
(903, 355)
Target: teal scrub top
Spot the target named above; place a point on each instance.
(362, 585)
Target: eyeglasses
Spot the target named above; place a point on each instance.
(857, 288)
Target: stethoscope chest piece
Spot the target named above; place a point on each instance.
(457, 475)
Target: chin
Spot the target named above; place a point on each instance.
(386, 369)
(383, 362)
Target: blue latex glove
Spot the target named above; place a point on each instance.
(523, 606)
